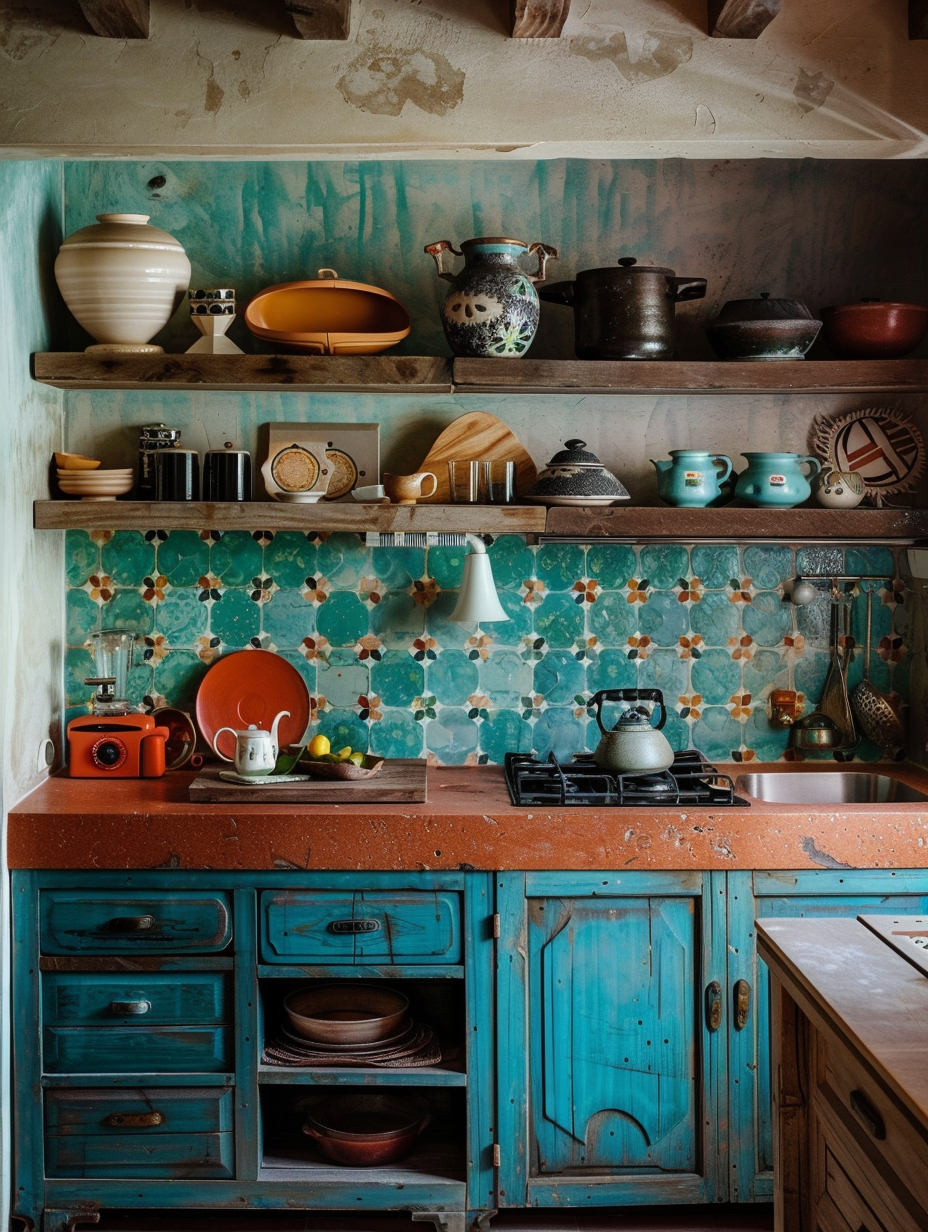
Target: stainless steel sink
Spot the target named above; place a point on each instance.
(827, 787)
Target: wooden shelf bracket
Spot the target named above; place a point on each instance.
(741, 19)
(320, 19)
(119, 19)
(539, 18)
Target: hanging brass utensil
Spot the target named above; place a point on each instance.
(878, 720)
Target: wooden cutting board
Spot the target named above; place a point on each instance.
(402, 779)
(479, 435)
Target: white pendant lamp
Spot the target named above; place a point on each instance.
(478, 603)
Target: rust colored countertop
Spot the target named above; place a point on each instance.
(467, 822)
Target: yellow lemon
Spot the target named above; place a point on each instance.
(318, 747)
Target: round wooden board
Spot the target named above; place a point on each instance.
(479, 435)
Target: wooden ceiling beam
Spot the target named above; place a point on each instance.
(120, 19)
(320, 19)
(741, 19)
(539, 18)
(918, 19)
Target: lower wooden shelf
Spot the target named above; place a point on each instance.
(624, 522)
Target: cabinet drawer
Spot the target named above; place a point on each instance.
(878, 1125)
(133, 1050)
(80, 922)
(331, 927)
(158, 1132)
(193, 999)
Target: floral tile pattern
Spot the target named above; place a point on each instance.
(388, 671)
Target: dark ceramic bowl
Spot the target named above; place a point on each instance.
(873, 329)
(770, 339)
(366, 1128)
(346, 1013)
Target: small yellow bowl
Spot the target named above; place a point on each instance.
(75, 462)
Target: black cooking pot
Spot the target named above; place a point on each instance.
(625, 312)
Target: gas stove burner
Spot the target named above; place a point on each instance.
(690, 780)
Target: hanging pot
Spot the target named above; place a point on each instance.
(625, 312)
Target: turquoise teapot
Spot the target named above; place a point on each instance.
(693, 478)
(777, 479)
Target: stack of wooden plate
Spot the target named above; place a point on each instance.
(97, 484)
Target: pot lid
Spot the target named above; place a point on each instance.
(629, 265)
(634, 720)
(575, 453)
(763, 309)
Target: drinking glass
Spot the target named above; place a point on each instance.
(464, 482)
(498, 482)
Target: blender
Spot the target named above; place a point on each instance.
(112, 655)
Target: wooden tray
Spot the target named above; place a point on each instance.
(402, 779)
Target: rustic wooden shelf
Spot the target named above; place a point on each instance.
(590, 376)
(319, 373)
(437, 374)
(274, 515)
(609, 522)
(733, 522)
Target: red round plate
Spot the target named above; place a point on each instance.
(252, 686)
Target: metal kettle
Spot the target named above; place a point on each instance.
(634, 745)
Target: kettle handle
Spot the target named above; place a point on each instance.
(216, 749)
(544, 253)
(438, 250)
(628, 695)
(687, 288)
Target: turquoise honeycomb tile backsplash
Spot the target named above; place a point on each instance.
(369, 631)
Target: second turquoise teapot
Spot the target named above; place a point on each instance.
(777, 479)
(693, 478)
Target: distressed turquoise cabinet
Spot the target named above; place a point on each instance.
(142, 1005)
(612, 1061)
(815, 894)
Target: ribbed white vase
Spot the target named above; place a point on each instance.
(122, 280)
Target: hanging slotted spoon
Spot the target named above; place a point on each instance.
(877, 719)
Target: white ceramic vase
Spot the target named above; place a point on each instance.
(122, 280)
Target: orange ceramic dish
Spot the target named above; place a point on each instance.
(328, 316)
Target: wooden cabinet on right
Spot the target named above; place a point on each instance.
(850, 1018)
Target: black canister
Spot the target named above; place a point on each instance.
(227, 475)
(177, 475)
(152, 438)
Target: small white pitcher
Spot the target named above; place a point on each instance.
(255, 750)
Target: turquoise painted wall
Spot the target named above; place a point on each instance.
(368, 628)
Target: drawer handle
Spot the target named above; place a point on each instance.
(742, 1004)
(714, 1005)
(868, 1114)
(131, 924)
(134, 1120)
(353, 927)
(121, 1008)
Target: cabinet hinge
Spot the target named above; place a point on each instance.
(497, 1156)
(496, 926)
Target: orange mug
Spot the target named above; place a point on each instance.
(407, 489)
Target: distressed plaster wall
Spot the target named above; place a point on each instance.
(442, 78)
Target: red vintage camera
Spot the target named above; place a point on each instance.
(116, 746)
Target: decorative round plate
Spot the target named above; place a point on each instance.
(344, 474)
(295, 469)
(882, 444)
(252, 686)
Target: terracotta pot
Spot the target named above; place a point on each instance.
(366, 1128)
(122, 280)
(346, 1012)
(874, 329)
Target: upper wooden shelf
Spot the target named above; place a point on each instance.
(612, 522)
(437, 374)
(276, 515)
(688, 376)
(320, 373)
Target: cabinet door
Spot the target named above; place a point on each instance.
(812, 893)
(621, 1063)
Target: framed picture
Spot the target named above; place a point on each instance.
(352, 452)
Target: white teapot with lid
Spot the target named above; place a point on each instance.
(255, 750)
